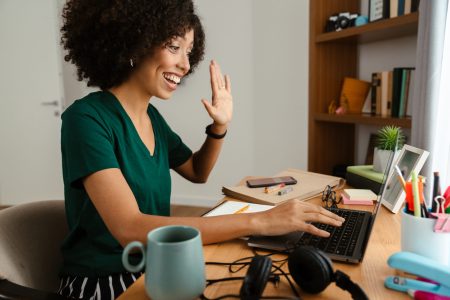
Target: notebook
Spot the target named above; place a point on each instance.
(230, 207)
(308, 185)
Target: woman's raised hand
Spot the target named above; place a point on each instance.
(220, 109)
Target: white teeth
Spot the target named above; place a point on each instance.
(172, 77)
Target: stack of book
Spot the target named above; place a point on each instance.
(358, 197)
(402, 7)
(385, 9)
(391, 92)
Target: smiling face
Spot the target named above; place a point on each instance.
(160, 74)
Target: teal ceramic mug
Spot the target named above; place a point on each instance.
(173, 260)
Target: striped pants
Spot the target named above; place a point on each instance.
(101, 288)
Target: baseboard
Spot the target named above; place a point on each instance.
(200, 201)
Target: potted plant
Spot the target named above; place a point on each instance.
(386, 142)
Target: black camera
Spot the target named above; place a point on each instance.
(340, 21)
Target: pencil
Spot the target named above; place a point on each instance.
(241, 210)
(400, 177)
(415, 187)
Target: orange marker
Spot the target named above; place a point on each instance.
(272, 189)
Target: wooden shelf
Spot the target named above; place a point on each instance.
(365, 119)
(332, 57)
(378, 30)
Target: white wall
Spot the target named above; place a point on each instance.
(281, 31)
(376, 57)
(230, 43)
(263, 46)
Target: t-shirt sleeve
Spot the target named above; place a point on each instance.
(179, 153)
(87, 147)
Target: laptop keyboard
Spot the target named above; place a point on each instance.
(342, 240)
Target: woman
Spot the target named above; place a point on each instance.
(117, 149)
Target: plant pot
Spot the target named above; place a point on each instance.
(381, 159)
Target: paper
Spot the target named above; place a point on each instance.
(231, 207)
(308, 185)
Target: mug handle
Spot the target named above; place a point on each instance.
(126, 253)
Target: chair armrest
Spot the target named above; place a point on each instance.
(10, 291)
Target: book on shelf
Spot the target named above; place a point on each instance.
(375, 94)
(391, 92)
(402, 7)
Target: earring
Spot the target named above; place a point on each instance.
(131, 62)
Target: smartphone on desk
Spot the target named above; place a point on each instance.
(263, 182)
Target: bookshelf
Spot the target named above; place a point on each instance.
(375, 31)
(333, 56)
(363, 119)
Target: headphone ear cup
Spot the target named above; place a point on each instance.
(311, 269)
(255, 280)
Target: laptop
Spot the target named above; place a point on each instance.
(347, 243)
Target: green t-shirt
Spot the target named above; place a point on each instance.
(98, 134)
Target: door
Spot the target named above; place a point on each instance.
(30, 102)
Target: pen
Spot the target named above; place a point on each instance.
(436, 190)
(400, 177)
(241, 210)
(409, 198)
(285, 191)
(275, 188)
(415, 187)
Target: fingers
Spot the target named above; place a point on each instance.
(213, 77)
(315, 231)
(318, 209)
(209, 108)
(228, 83)
(219, 75)
(320, 218)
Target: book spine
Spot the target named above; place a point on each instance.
(396, 87)
(387, 9)
(407, 89)
(378, 110)
(389, 100)
(401, 7)
(384, 93)
(402, 94)
(373, 96)
(393, 8)
(407, 7)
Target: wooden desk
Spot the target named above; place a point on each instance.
(370, 274)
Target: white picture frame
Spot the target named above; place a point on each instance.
(410, 158)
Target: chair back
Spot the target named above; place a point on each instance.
(31, 235)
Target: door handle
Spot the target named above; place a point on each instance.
(51, 103)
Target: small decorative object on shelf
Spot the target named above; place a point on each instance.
(353, 94)
(361, 20)
(386, 142)
(378, 10)
(340, 21)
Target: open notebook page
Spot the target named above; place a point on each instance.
(231, 207)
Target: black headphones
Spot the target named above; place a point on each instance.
(310, 268)
(255, 280)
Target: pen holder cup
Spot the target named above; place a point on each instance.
(418, 236)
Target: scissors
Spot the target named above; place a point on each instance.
(440, 204)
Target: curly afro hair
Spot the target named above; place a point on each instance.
(102, 36)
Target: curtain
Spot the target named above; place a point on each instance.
(431, 94)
